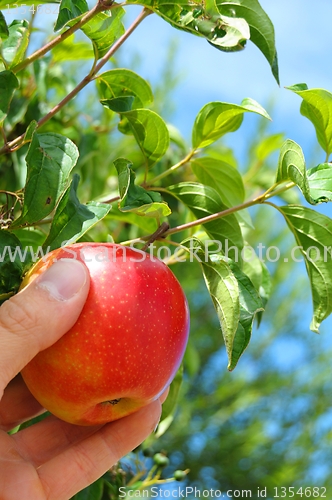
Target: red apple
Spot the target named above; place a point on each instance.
(127, 344)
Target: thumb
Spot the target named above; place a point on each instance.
(40, 314)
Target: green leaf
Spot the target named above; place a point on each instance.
(50, 160)
(70, 9)
(292, 166)
(216, 119)
(223, 32)
(119, 104)
(104, 29)
(150, 132)
(250, 304)
(320, 182)
(124, 83)
(261, 28)
(234, 296)
(224, 291)
(315, 184)
(226, 33)
(204, 201)
(92, 492)
(222, 177)
(32, 240)
(135, 198)
(11, 264)
(148, 224)
(8, 84)
(14, 47)
(32, 127)
(259, 275)
(4, 31)
(34, 420)
(169, 406)
(269, 145)
(317, 107)
(72, 50)
(123, 168)
(73, 219)
(313, 234)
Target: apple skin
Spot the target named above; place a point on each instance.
(127, 344)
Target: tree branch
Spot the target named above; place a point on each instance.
(13, 144)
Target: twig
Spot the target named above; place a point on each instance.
(162, 229)
(145, 12)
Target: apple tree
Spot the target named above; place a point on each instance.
(106, 166)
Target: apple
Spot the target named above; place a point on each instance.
(127, 344)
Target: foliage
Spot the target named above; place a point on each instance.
(119, 172)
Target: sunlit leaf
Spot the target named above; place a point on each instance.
(313, 233)
(124, 83)
(72, 50)
(223, 289)
(14, 47)
(315, 184)
(234, 296)
(268, 145)
(69, 10)
(148, 224)
(104, 29)
(136, 199)
(292, 166)
(222, 177)
(150, 132)
(320, 182)
(261, 28)
(317, 107)
(222, 31)
(216, 119)
(250, 304)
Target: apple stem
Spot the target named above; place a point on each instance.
(156, 235)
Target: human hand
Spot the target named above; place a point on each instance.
(52, 459)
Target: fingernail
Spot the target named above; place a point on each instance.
(63, 279)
